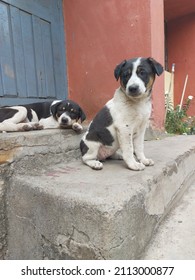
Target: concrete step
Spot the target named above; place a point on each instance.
(54, 144)
(22, 152)
(175, 237)
(68, 211)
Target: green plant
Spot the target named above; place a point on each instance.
(177, 121)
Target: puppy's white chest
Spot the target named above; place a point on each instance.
(132, 115)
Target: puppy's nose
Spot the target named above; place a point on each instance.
(133, 89)
(64, 120)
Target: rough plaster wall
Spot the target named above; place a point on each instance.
(2, 215)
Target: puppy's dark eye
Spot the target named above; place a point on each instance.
(142, 72)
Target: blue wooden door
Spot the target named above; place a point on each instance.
(32, 51)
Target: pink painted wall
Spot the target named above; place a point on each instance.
(99, 35)
(181, 47)
(156, 21)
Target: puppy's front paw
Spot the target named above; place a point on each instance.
(97, 165)
(77, 127)
(148, 162)
(137, 166)
(94, 164)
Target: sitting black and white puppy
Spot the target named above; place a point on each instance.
(42, 115)
(122, 122)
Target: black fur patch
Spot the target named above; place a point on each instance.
(7, 113)
(42, 110)
(83, 148)
(98, 129)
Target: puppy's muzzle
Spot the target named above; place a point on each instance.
(64, 121)
(134, 90)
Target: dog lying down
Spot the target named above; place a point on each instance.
(122, 122)
(43, 115)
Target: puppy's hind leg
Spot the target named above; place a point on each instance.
(89, 155)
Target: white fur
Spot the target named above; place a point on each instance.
(19, 121)
(130, 119)
(135, 80)
(130, 109)
(49, 122)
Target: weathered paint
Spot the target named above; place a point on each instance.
(32, 56)
(156, 20)
(181, 46)
(99, 35)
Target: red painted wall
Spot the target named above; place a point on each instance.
(181, 49)
(156, 21)
(99, 35)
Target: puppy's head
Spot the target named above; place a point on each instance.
(67, 112)
(137, 76)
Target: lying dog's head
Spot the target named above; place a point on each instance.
(137, 76)
(67, 112)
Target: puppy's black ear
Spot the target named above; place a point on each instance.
(82, 115)
(117, 70)
(54, 107)
(158, 69)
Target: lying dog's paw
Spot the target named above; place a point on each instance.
(137, 166)
(31, 126)
(77, 127)
(27, 127)
(37, 126)
(148, 162)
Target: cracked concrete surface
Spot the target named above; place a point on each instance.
(175, 237)
(2, 220)
(58, 208)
